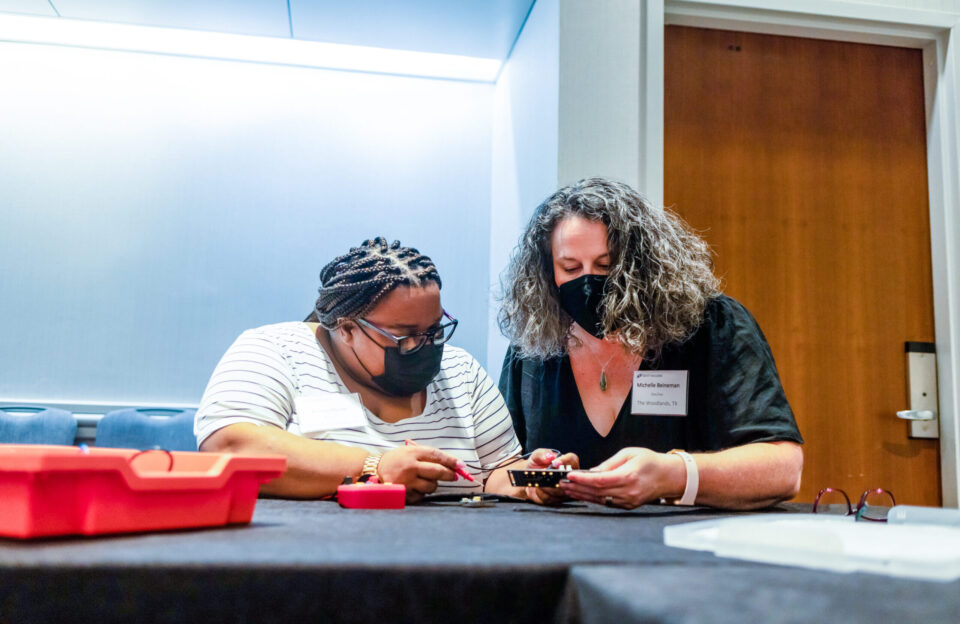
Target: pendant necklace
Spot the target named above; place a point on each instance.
(603, 368)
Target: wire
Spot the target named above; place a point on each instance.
(506, 461)
(153, 450)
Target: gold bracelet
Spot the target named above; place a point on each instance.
(370, 466)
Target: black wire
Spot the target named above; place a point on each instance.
(152, 450)
(504, 462)
(484, 497)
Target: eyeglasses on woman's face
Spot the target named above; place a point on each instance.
(414, 342)
(872, 506)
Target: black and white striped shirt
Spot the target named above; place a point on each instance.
(263, 374)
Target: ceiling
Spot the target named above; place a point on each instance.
(478, 28)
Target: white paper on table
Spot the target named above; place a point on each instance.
(824, 542)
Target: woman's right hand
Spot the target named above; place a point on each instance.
(417, 467)
(546, 458)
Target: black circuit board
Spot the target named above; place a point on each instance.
(545, 477)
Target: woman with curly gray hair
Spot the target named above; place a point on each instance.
(626, 355)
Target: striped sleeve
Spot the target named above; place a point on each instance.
(252, 383)
(494, 435)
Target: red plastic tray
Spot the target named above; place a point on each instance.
(66, 490)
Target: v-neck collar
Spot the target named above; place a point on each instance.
(569, 380)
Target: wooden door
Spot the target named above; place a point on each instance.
(803, 162)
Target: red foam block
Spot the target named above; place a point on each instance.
(372, 496)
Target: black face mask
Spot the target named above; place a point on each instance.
(582, 299)
(405, 375)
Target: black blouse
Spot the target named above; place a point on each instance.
(734, 396)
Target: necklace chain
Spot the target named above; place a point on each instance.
(603, 367)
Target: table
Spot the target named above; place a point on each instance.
(437, 562)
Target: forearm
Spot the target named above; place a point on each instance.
(314, 468)
(747, 477)
(499, 481)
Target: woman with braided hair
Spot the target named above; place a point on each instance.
(365, 386)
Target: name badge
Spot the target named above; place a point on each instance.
(659, 393)
(323, 412)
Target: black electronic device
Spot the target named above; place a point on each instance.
(539, 477)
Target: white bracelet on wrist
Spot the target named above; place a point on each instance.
(693, 479)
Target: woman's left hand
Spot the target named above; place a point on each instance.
(630, 478)
(546, 458)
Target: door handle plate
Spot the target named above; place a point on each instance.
(922, 390)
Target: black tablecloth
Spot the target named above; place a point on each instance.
(436, 562)
(744, 593)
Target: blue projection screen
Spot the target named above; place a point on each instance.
(152, 208)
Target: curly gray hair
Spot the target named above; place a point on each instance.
(660, 279)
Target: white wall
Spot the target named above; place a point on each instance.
(152, 207)
(611, 78)
(600, 72)
(950, 436)
(949, 6)
(525, 135)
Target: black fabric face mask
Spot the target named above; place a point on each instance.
(582, 299)
(405, 375)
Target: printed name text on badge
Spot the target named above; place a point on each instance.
(659, 393)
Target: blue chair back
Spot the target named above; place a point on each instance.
(148, 428)
(36, 425)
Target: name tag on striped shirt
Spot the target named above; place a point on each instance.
(323, 412)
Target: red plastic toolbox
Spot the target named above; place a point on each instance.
(67, 490)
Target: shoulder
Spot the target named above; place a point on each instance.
(289, 329)
(279, 345)
(514, 360)
(455, 356)
(726, 315)
(730, 333)
(460, 374)
(723, 307)
(727, 326)
(289, 333)
(456, 363)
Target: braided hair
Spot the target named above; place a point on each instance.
(352, 284)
